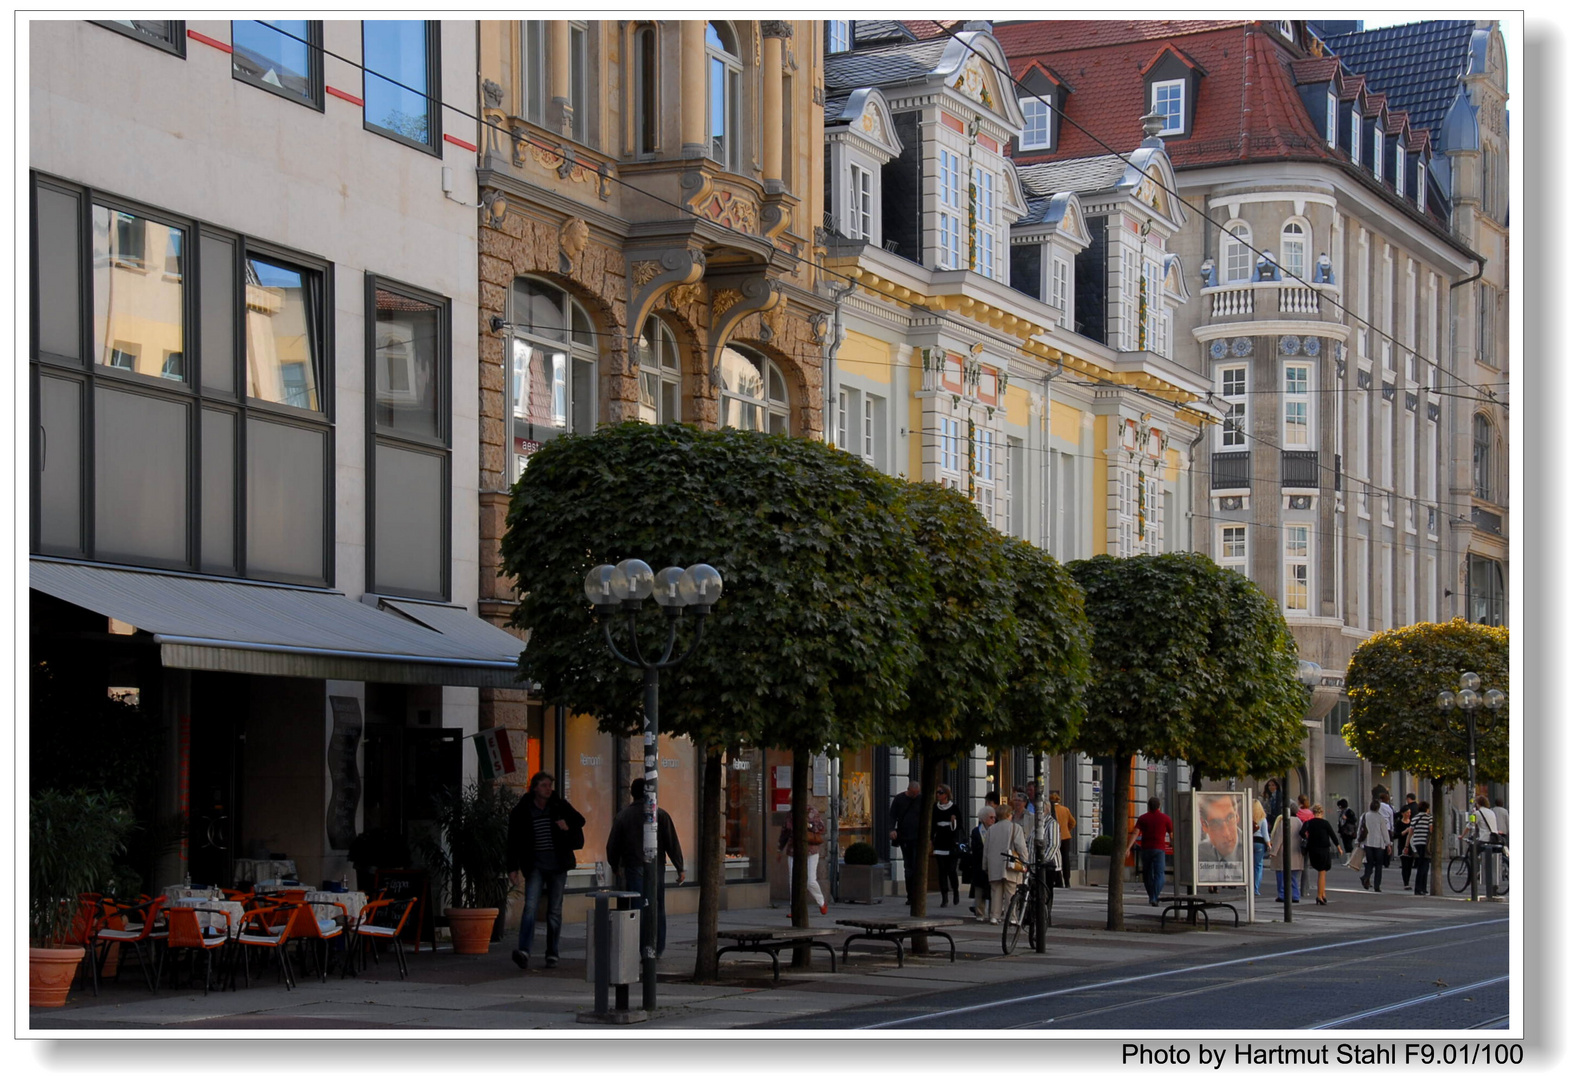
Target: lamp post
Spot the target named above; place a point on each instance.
(621, 589)
(1468, 699)
(1308, 673)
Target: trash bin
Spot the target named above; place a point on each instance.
(624, 960)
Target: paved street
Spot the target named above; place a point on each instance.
(1343, 963)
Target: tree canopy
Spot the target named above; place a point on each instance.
(1393, 682)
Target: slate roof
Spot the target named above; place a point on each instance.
(1041, 183)
(848, 71)
(1104, 61)
(1418, 67)
(880, 32)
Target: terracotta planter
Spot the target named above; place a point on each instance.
(471, 929)
(50, 972)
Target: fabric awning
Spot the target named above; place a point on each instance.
(210, 624)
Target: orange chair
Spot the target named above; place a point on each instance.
(84, 924)
(370, 931)
(308, 928)
(263, 935)
(187, 932)
(138, 925)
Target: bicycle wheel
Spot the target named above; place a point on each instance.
(1011, 925)
(1503, 872)
(1457, 873)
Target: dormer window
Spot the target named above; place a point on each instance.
(1401, 170)
(1332, 134)
(840, 35)
(1035, 124)
(1286, 29)
(1169, 97)
(1357, 136)
(1379, 152)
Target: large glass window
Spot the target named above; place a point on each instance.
(753, 392)
(284, 355)
(659, 374)
(1294, 250)
(139, 300)
(1299, 406)
(725, 95)
(408, 348)
(744, 814)
(281, 55)
(169, 35)
(986, 229)
(950, 210)
(1234, 388)
(400, 80)
(554, 369)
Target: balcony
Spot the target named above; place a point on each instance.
(1300, 468)
(1252, 301)
(1486, 521)
(1231, 470)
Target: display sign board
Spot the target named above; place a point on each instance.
(1221, 828)
(399, 886)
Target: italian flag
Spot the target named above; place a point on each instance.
(494, 753)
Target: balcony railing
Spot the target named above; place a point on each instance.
(1486, 521)
(1231, 470)
(1248, 300)
(1300, 468)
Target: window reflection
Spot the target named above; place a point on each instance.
(282, 334)
(397, 78)
(753, 393)
(277, 53)
(406, 351)
(138, 276)
(659, 374)
(554, 370)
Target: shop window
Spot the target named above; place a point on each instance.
(745, 810)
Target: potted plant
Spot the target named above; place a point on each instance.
(862, 878)
(73, 839)
(1099, 852)
(470, 861)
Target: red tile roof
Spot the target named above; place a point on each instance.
(1315, 69)
(924, 29)
(1395, 121)
(1351, 86)
(1373, 105)
(1104, 62)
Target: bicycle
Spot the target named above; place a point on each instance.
(1017, 908)
(1493, 884)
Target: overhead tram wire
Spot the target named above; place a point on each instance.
(1048, 100)
(568, 155)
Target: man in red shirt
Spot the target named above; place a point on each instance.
(1154, 829)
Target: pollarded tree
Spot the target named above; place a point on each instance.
(1393, 683)
(1166, 667)
(811, 642)
(1253, 725)
(967, 637)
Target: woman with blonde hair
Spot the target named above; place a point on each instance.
(1004, 838)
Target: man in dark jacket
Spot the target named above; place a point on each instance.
(624, 849)
(905, 811)
(542, 842)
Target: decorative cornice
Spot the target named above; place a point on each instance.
(775, 28)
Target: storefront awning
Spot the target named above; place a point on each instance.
(207, 624)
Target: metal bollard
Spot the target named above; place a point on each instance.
(600, 957)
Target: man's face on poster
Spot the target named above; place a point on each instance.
(1221, 824)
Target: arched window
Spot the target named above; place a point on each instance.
(554, 369)
(752, 392)
(1237, 253)
(659, 374)
(645, 76)
(1294, 250)
(1483, 447)
(725, 95)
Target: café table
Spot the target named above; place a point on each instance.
(208, 918)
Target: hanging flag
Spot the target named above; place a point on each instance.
(494, 753)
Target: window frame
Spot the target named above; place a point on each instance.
(1237, 230)
(1236, 439)
(1401, 170)
(576, 352)
(581, 54)
(431, 28)
(1379, 153)
(663, 376)
(1332, 120)
(768, 405)
(376, 435)
(534, 70)
(646, 89)
(949, 202)
(984, 202)
(176, 44)
(1043, 111)
(1180, 86)
(1223, 557)
(1302, 400)
(1357, 136)
(1301, 271)
(732, 97)
(315, 73)
(839, 42)
(860, 202)
(1481, 464)
(1298, 567)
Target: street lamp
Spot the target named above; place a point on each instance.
(621, 589)
(1468, 699)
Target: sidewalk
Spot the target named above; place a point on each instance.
(445, 992)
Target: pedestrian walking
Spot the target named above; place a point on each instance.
(905, 811)
(1322, 843)
(1153, 831)
(1503, 821)
(1066, 823)
(1403, 836)
(624, 851)
(945, 833)
(978, 888)
(1002, 838)
(1278, 830)
(543, 837)
(787, 844)
(1423, 826)
(1271, 798)
(1261, 846)
(1346, 825)
(1375, 835)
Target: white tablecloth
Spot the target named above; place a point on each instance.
(184, 892)
(323, 904)
(209, 918)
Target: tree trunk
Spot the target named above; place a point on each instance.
(1437, 836)
(918, 887)
(1115, 918)
(711, 866)
(799, 849)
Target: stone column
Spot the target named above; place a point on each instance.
(695, 90)
(776, 33)
(560, 118)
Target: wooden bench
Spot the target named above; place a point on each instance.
(770, 940)
(894, 930)
(1194, 906)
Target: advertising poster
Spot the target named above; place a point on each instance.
(1222, 834)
